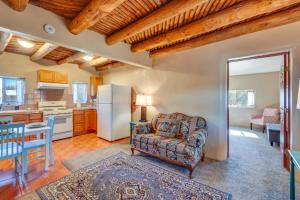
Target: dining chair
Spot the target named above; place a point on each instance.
(37, 146)
(12, 144)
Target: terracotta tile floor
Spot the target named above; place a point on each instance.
(36, 176)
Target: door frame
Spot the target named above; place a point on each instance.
(287, 100)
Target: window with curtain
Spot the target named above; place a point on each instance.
(12, 91)
(242, 98)
(80, 92)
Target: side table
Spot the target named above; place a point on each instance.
(295, 161)
(273, 132)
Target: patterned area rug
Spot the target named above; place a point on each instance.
(128, 177)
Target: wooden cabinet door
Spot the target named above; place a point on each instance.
(35, 117)
(78, 122)
(93, 120)
(45, 76)
(87, 120)
(21, 118)
(95, 81)
(60, 77)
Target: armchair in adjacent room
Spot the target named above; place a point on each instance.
(270, 115)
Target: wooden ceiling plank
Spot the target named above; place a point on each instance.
(160, 15)
(241, 12)
(107, 66)
(4, 40)
(92, 13)
(18, 5)
(71, 58)
(271, 21)
(94, 62)
(43, 51)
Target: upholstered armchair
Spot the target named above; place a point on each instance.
(270, 115)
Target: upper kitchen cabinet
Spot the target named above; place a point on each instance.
(95, 81)
(48, 76)
(60, 78)
(45, 76)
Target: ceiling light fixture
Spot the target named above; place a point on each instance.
(25, 43)
(88, 57)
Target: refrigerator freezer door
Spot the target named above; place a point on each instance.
(105, 94)
(104, 121)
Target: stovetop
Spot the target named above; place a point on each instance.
(54, 108)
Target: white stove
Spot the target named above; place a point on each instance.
(63, 120)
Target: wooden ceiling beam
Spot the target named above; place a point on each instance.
(94, 62)
(18, 5)
(4, 40)
(166, 12)
(107, 66)
(43, 51)
(92, 13)
(271, 21)
(241, 12)
(72, 58)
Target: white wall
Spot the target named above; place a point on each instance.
(267, 95)
(21, 66)
(194, 82)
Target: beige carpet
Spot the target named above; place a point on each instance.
(252, 172)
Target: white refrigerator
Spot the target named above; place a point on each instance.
(114, 111)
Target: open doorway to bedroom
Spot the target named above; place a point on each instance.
(258, 106)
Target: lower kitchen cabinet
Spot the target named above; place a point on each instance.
(84, 121)
(26, 117)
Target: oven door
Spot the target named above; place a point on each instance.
(62, 124)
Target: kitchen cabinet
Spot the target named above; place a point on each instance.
(25, 117)
(45, 76)
(84, 121)
(35, 117)
(48, 76)
(21, 118)
(60, 78)
(95, 81)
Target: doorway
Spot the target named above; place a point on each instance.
(247, 100)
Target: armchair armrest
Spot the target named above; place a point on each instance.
(141, 128)
(197, 138)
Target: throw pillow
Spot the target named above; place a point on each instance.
(167, 127)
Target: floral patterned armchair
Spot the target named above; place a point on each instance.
(269, 116)
(176, 138)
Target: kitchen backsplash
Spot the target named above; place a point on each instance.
(32, 99)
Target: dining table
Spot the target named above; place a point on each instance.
(30, 130)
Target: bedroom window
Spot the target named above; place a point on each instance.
(80, 92)
(242, 98)
(12, 91)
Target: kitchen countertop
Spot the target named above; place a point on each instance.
(11, 112)
(85, 108)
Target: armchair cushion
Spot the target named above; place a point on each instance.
(142, 128)
(255, 116)
(167, 128)
(150, 139)
(197, 139)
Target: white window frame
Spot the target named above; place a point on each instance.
(20, 99)
(75, 95)
(243, 106)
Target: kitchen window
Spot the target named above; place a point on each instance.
(12, 91)
(242, 98)
(80, 92)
